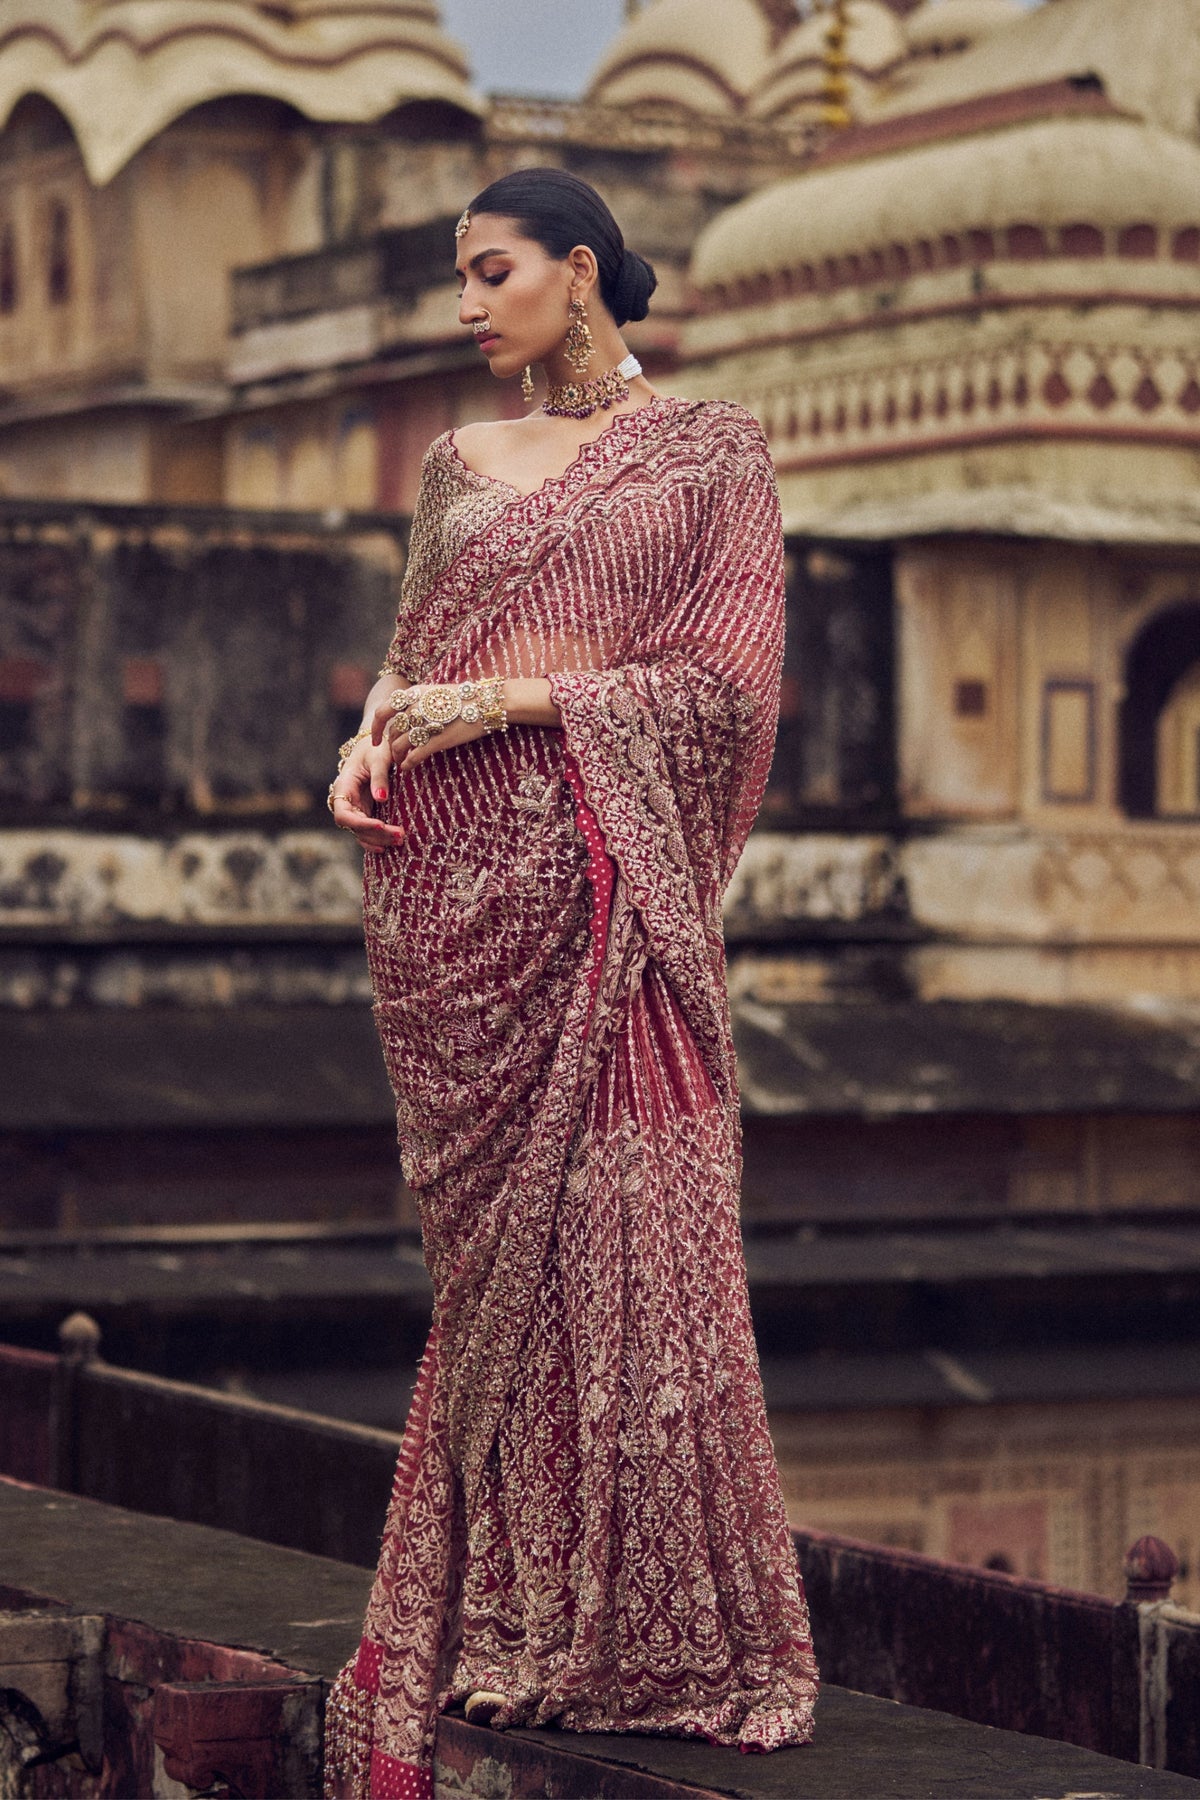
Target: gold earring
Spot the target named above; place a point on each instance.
(578, 342)
(527, 384)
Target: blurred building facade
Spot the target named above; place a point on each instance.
(965, 955)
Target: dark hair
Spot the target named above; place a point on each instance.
(558, 211)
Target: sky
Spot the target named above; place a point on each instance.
(535, 46)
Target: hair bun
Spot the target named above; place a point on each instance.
(635, 283)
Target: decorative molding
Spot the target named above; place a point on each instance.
(672, 59)
(109, 882)
(1020, 242)
(514, 118)
(986, 394)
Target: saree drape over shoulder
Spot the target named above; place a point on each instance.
(586, 1515)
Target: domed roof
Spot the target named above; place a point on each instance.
(940, 25)
(698, 55)
(121, 70)
(1103, 171)
(874, 41)
(1145, 52)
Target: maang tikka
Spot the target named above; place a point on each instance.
(577, 346)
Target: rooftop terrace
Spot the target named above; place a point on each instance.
(220, 1626)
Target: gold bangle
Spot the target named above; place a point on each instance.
(492, 709)
(345, 749)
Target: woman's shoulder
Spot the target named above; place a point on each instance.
(463, 446)
(476, 433)
(728, 441)
(726, 425)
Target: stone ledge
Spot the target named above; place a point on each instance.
(299, 1616)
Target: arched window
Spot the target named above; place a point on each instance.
(1160, 717)
(58, 254)
(8, 269)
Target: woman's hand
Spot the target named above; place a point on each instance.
(387, 733)
(363, 780)
(526, 702)
(405, 755)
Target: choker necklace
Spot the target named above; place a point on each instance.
(579, 399)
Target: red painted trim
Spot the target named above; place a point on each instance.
(1044, 99)
(669, 59)
(864, 271)
(979, 440)
(147, 46)
(949, 309)
(817, 64)
(16, 1356)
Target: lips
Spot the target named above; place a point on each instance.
(493, 337)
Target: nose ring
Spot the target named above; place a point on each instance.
(479, 326)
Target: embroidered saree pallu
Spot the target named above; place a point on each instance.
(586, 1516)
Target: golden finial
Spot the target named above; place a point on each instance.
(835, 88)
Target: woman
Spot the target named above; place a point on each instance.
(556, 775)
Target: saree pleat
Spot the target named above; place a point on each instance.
(586, 1515)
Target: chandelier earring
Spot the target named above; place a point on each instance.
(527, 385)
(577, 345)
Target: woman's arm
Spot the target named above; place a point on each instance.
(368, 766)
(529, 702)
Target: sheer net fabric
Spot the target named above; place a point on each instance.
(586, 1514)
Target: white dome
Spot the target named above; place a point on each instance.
(1051, 175)
(1145, 53)
(875, 42)
(698, 55)
(120, 71)
(938, 26)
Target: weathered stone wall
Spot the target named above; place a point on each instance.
(161, 667)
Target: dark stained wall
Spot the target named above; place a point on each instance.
(835, 759)
(194, 662)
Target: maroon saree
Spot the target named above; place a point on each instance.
(586, 1514)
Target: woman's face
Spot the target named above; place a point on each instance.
(510, 280)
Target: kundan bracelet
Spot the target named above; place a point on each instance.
(423, 712)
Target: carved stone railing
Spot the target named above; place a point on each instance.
(1119, 1677)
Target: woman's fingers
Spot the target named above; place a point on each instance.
(350, 812)
(379, 770)
(460, 731)
(385, 711)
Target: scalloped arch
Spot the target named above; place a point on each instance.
(121, 73)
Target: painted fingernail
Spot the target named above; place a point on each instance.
(381, 793)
